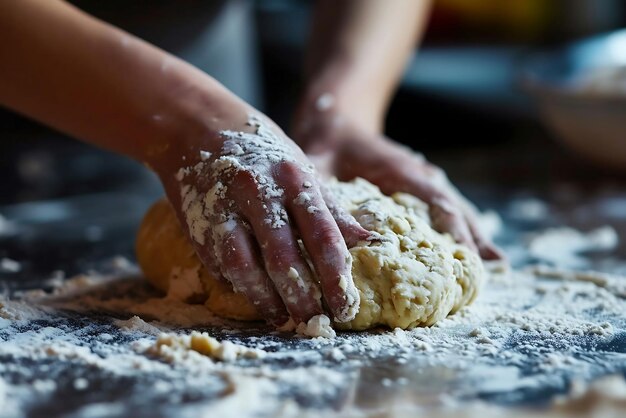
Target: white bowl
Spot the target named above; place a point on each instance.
(578, 99)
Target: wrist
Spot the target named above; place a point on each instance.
(188, 129)
(337, 93)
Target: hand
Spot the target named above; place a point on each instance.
(246, 197)
(339, 147)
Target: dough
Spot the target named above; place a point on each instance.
(172, 348)
(413, 276)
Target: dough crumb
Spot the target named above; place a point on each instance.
(318, 326)
(135, 324)
(170, 347)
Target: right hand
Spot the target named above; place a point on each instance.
(343, 149)
(245, 198)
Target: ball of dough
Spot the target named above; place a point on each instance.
(169, 262)
(412, 276)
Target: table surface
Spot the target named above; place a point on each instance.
(83, 231)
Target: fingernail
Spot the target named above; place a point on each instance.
(491, 252)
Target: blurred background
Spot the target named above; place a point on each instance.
(473, 99)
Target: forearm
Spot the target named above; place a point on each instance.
(358, 51)
(100, 84)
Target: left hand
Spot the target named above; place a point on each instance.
(339, 147)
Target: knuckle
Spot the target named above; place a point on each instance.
(327, 234)
(275, 262)
(245, 180)
(235, 263)
(291, 171)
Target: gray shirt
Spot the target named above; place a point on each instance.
(216, 36)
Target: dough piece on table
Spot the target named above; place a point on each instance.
(169, 262)
(414, 276)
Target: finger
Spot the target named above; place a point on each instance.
(489, 251)
(351, 231)
(325, 244)
(240, 264)
(446, 217)
(291, 275)
(486, 248)
(281, 253)
(206, 253)
(205, 249)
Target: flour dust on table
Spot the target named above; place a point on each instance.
(115, 346)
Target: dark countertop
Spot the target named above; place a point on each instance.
(90, 214)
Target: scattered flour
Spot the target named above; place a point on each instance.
(170, 347)
(8, 265)
(135, 323)
(524, 334)
(205, 155)
(6, 227)
(490, 223)
(122, 264)
(528, 209)
(613, 283)
(562, 246)
(531, 333)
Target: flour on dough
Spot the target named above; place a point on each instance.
(411, 276)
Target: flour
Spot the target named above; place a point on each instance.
(562, 246)
(8, 265)
(302, 199)
(6, 227)
(121, 264)
(135, 324)
(456, 342)
(171, 347)
(614, 284)
(528, 209)
(205, 155)
(531, 334)
(490, 223)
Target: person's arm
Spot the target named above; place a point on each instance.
(232, 176)
(357, 54)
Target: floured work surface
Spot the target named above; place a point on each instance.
(524, 340)
(520, 344)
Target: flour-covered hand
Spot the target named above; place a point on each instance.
(340, 148)
(246, 203)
